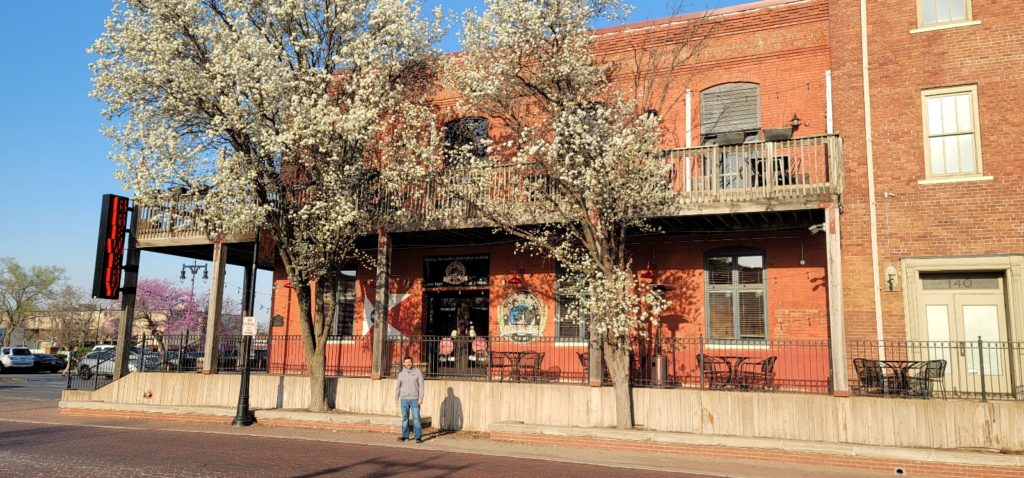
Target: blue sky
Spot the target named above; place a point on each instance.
(53, 159)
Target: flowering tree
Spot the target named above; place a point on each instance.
(24, 292)
(274, 114)
(163, 308)
(577, 132)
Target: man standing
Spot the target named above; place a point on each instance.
(409, 397)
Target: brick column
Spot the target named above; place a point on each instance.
(220, 256)
(380, 323)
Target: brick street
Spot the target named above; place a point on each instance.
(37, 440)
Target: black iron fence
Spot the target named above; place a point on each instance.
(534, 359)
(971, 369)
(757, 365)
(978, 369)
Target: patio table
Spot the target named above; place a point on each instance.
(734, 362)
(897, 383)
(514, 359)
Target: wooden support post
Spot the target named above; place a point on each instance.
(595, 361)
(836, 322)
(380, 323)
(220, 256)
(131, 280)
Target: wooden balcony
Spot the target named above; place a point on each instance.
(797, 174)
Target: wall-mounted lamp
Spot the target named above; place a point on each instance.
(795, 122)
(890, 278)
(517, 278)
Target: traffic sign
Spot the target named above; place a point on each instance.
(249, 326)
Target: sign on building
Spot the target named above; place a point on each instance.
(456, 271)
(106, 282)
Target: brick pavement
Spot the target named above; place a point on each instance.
(154, 448)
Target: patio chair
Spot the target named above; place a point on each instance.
(921, 375)
(529, 366)
(759, 374)
(717, 371)
(869, 375)
(500, 363)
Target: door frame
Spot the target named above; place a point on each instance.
(1010, 266)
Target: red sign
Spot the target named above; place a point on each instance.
(106, 283)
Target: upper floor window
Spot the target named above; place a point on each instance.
(730, 113)
(938, 12)
(735, 302)
(951, 144)
(465, 135)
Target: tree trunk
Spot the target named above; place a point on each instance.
(618, 367)
(314, 349)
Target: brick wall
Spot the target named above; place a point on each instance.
(968, 218)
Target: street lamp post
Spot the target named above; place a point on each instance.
(194, 268)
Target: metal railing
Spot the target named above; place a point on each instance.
(532, 359)
(807, 168)
(969, 369)
(800, 366)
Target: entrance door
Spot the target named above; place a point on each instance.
(446, 309)
(960, 308)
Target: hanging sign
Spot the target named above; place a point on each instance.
(106, 282)
(456, 271)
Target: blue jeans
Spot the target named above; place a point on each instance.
(411, 405)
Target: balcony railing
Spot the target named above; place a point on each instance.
(798, 173)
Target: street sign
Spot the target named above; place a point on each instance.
(249, 326)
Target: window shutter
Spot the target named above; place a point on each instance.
(730, 107)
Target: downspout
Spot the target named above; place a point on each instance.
(869, 152)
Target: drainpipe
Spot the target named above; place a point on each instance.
(869, 151)
(689, 140)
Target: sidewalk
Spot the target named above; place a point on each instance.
(461, 442)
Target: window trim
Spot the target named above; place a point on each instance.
(972, 91)
(735, 252)
(967, 20)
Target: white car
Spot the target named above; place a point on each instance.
(16, 358)
(102, 363)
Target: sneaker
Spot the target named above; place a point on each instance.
(402, 438)
(419, 440)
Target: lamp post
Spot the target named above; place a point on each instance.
(194, 268)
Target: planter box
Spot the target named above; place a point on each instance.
(778, 134)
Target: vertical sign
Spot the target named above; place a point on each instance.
(106, 282)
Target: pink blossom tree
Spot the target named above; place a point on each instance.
(164, 309)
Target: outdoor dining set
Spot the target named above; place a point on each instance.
(473, 355)
(911, 378)
(736, 371)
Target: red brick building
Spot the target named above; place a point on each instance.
(926, 187)
(744, 258)
(932, 215)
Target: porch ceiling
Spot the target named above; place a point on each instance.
(238, 254)
(678, 225)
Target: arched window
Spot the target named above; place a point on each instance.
(467, 134)
(730, 113)
(735, 297)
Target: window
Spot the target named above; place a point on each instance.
(951, 143)
(567, 324)
(730, 113)
(735, 301)
(346, 304)
(465, 135)
(937, 12)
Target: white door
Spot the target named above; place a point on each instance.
(959, 309)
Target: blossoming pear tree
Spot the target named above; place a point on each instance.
(269, 114)
(575, 129)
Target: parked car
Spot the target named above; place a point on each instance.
(102, 363)
(16, 358)
(48, 363)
